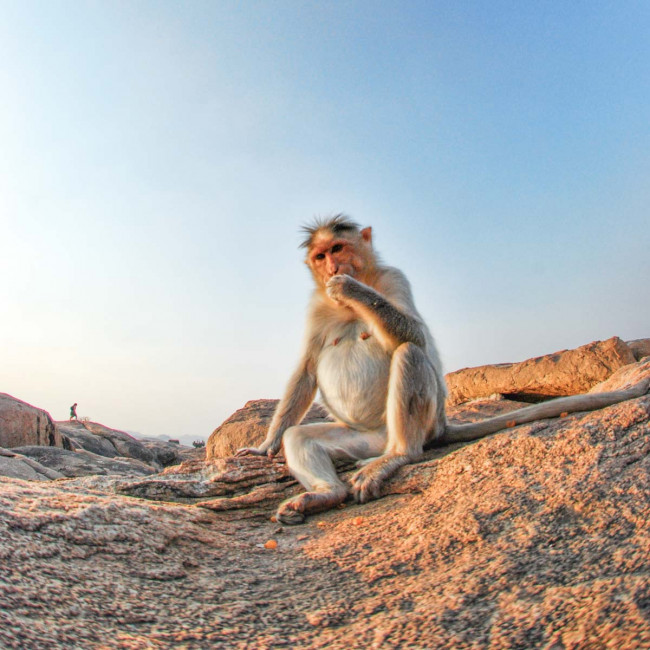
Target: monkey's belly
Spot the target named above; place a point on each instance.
(353, 381)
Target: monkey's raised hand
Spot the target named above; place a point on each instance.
(342, 287)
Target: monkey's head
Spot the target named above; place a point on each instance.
(336, 246)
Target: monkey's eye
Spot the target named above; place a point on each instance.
(337, 248)
(320, 256)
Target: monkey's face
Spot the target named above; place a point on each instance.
(332, 255)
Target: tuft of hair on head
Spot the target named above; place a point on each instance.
(337, 224)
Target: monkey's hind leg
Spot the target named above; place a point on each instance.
(309, 450)
(414, 403)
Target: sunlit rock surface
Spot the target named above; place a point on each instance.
(23, 424)
(535, 537)
(247, 427)
(568, 372)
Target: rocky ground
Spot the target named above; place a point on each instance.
(536, 537)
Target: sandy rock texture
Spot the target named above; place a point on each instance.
(535, 537)
(83, 463)
(105, 441)
(91, 449)
(16, 465)
(170, 453)
(568, 372)
(640, 348)
(23, 424)
(247, 427)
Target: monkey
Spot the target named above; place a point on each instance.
(373, 359)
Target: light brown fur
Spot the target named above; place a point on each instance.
(374, 360)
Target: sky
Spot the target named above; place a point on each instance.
(158, 158)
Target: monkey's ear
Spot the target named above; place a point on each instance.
(366, 233)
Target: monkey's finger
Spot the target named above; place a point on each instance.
(357, 491)
(365, 488)
(248, 451)
(362, 496)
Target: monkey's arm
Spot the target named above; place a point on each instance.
(298, 397)
(390, 311)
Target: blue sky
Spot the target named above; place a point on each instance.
(158, 159)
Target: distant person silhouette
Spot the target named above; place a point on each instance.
(73, 411)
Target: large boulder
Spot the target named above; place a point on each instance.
(640, 348)
(535, 537)
(568, 372)
(99, 439)
(103, 440)
(124, 443)
(14, 465)
(23, 424)
(169, 453)
(247, 427)
(84, 463)
(78, 437)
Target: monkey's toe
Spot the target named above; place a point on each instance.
(291, 518)
(365, 486)
(290, 513)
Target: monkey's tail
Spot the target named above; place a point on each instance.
(551, 409)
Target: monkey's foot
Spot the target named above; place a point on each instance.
(293, 511)
(367, 482)
(289, 514)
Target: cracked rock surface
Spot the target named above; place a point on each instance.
(535, 537)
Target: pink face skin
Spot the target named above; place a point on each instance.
(330, 255)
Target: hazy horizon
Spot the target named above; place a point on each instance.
(159, 158)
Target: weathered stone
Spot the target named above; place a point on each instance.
(101, 440)
(168, 453)
(568, 372)
(230, 479)
(535, 537)
(248, 426)
(79, 437)
(123, 443)
(84, 463)
(640, 348)
(14, 465)
(625, 377)
(24, 424)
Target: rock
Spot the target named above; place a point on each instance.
(111, 443)
(625, 377)
(168, 453)
(124, 443)
(84, 463)
(24, 424)
(568, 372)
(219, 484)
(15, 465)
(96, 438)
(247, 427)
(535, 537)
(640, 348)
(79, 437)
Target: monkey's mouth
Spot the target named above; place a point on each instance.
(343, 270)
